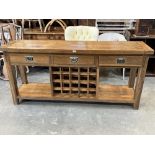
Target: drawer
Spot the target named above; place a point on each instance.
(120, 60)
(29, 59)
(73, 60)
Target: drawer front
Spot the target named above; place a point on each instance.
(29, 59)
(120, 60)
(73, 60)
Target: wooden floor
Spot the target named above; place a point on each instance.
(107, 93)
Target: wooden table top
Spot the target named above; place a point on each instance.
(81, 47)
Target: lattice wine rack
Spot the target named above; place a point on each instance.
(74, 81)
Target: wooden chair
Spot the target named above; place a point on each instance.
(33, 21)
(59, 21)
(9, 32)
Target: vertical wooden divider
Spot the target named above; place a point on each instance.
(97, 75)
(51, 80)
(78, 81)
(97, 81)
(88, 81)
(61, 80)
(70, 82)
(51, 74)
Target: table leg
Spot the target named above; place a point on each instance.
(22, 70)
(140, 82)
(132, 77)
(12, 80)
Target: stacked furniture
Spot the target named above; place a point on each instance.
(47, 32)
(115, 25)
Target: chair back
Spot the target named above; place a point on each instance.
(111, 36)
(50, 23)
(10, 32)
(81, 33)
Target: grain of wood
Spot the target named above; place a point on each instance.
(81, 47)
(88, 57)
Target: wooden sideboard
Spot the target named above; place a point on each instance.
(74, 70)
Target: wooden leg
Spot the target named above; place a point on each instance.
(40, 25)
(132, 77)
(139, 83)
(22, 70)
(12, 81)
(4, 70)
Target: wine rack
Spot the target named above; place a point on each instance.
(77, 81)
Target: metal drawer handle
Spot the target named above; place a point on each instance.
(74, 59)
(29, 58)
(120, 60)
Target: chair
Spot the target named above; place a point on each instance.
(58, 31)
(33, 21)
(112, 36)
(81, 33)
(59, 21)
(9, 32)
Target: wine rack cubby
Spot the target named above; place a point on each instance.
(77, 81)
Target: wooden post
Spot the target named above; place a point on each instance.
(12, 80)
(23, 75)
(132, 77)
(139, 82)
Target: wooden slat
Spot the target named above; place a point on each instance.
(38, 32)
(61, 80)
(51, 79)
(70, 83)
(87, 81)
(79, 82)
(75, 89)
(97, 81)
(75, 81)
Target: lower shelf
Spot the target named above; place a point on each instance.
(107, 93)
